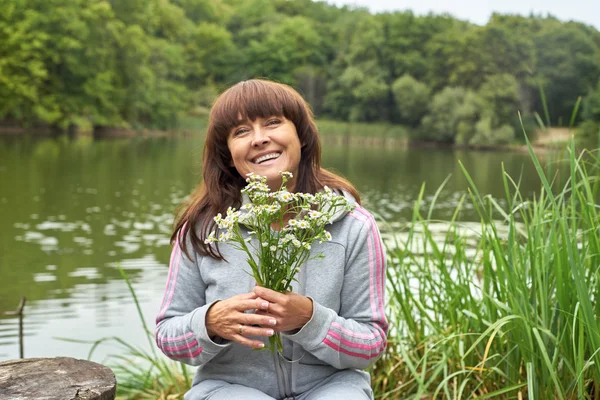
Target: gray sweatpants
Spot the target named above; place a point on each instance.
(338, 386)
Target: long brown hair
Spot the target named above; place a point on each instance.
(220, 189)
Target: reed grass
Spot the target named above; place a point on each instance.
(515, 316)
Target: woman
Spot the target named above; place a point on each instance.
(214, 316)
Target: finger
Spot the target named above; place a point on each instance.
(246, 296)
(269, 295)
(255, 344)
(274, 310)
(258, 319)
(244, 305)
(249, 331)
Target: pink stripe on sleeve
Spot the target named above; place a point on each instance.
(169, 276)
(348, 352)
(172, 280)
(359, 214)
(379, 270)
(374, 266)
(172, 277)
(173, 349)
(187, 355)
(362, 346)
(357, 335)
(176, 338)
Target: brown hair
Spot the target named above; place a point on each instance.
(220, 189)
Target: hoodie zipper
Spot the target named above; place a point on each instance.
(280, 373)
(286, 388)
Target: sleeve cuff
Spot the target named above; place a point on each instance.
(315, 330)
(199, 326)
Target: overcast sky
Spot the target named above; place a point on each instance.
(479, 11)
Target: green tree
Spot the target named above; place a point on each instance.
(591, 105)
(568, 65)
(412, 99)
(286, 46)
(500, 96)
(447, 109)
(362, 90)
(22, 67)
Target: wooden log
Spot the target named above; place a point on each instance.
(60, 378)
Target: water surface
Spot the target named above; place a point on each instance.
(72, 211)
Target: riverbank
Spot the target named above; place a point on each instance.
(332, 133)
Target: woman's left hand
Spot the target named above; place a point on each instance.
(291, 310)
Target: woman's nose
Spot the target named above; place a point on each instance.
(260, 138)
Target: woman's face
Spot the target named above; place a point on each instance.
(266, 147)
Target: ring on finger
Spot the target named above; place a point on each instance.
(241, 330)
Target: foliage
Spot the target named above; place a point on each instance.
(412, 98)
(566, 51)
(451, 109)
(512, 314)
(588, 132)
(591, 105)
(144, 63)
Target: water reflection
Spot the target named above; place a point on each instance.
(71, 211)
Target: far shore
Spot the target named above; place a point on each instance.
(550, 139)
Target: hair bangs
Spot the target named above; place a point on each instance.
(249, 100)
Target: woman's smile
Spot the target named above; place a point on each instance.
(267, 157)
(266, 146)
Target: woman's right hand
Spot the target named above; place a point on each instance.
(229, 319)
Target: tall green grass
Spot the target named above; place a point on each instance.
(516, 316)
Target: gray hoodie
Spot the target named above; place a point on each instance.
(347, 330)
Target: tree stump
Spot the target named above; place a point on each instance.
(60, 378)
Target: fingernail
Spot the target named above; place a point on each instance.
(270, 332)
(261, 345)
(265, 305)
(273, 322)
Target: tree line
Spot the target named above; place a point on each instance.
(142, 63)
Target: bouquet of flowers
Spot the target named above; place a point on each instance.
(281, 228)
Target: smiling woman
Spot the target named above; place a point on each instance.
(213, 314)
(266, 146)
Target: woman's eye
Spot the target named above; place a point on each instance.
(274, 122)
(239, 131)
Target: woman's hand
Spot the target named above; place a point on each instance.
(228, 319)
(290, 310)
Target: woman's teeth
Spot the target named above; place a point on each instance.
(266, 157)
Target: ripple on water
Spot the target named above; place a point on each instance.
(52, 224)
(156, 240)
(132, 238)
(44, 277)
(83, 241)
(89, 273)
(128, 247)
(144, 226)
